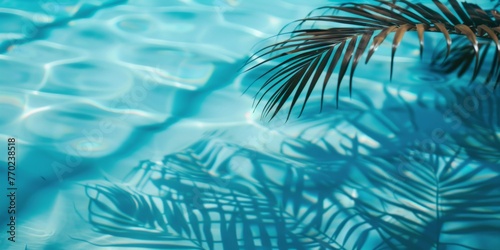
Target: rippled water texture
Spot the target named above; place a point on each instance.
(133, 131)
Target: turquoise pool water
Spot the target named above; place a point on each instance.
(133, 132)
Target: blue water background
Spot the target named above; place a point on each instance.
(93, 89)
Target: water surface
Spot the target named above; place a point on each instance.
(133, 131)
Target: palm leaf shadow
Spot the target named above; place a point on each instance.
(383, 130)
(475, 114)
(427, 201)
(435, 200)
(311, 54)
(462, 60)
(197, 200)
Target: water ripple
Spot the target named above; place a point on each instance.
(88, 78)
(82, 128)
(12, 106)
(116, 82)
(20, 75)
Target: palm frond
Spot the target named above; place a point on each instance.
(320, 44)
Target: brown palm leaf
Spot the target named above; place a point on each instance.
(310, 51)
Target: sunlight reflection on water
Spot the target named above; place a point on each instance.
(150, 92)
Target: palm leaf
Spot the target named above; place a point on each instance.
(312, 50)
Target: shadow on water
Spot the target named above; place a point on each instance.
(310, 192)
